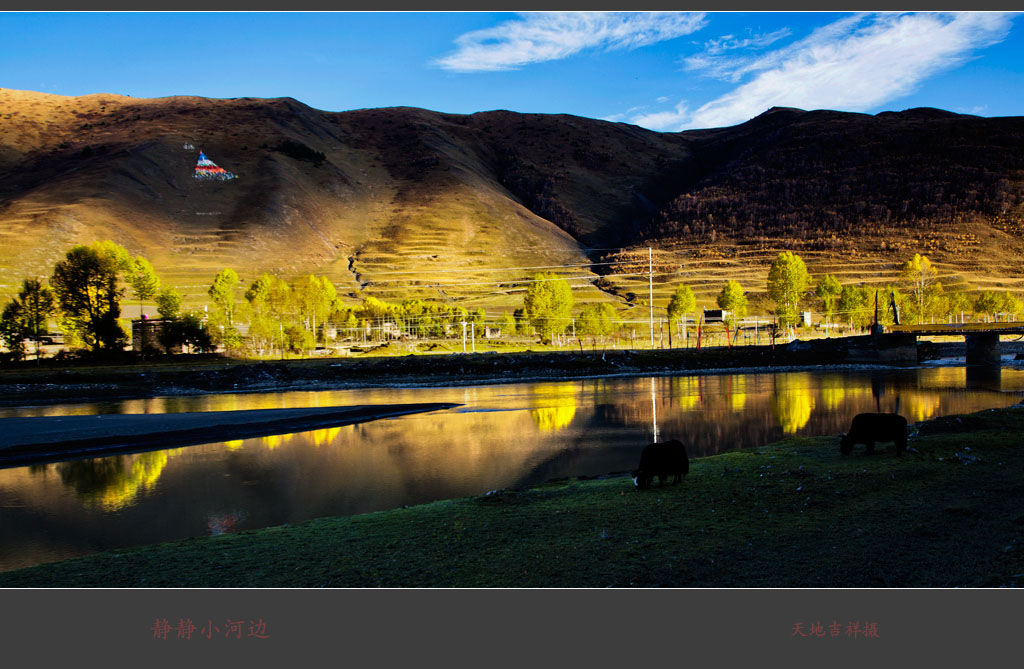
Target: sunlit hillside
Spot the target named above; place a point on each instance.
(403, 202)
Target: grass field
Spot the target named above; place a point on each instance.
(949, 513)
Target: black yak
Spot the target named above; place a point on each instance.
(664, 459)
(867, 428)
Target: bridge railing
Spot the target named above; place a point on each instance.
(1013, 327)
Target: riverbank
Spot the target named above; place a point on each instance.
(50, 382)
(791, 514)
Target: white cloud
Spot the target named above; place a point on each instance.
(539, 37)
(665, 120)
(854, 64)
(732, 43)
(977, 110)
(618, 117)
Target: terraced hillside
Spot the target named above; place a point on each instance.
(403, 202)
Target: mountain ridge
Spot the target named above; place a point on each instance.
(363, 194)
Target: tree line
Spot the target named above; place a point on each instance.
(87, 288)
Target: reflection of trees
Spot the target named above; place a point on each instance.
(272, 441)
(115, 482)
(557, 405)
(918, 406)
(737, 392)
(792, 402)
(686, 390)
(324, 436)
(832, 398)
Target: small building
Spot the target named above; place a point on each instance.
(146, 335)
(715, 315)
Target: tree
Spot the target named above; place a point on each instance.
(682, 303)
(854, 304)
(314, 297)
(523, 326)
(987, 303)
(788, 281)
(26, 316)
(921, 280)
(12, 330)
(828, 291)
(507, 324)
(168, 303)
(298, 339)
(733, 300)
(955, 303)
(596, 320)
(143, 279)
(1010, 304)
(222, 292)
(548, 304)
(374, 311)
(85, 284)
(270, 300)
(991, 303)
(344, 317)
(188, 330)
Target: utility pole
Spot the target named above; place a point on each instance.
(472, 334)
(463, 336)
(650, 286)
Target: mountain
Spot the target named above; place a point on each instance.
(391, 201)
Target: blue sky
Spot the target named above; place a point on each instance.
(664, 70)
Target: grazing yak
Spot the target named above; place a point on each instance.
(867, 428)
(662, 459)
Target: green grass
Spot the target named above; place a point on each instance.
(791, 514)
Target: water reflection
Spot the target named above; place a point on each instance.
(555, 405)
(792, 402)
(505, 436)
(115, 482)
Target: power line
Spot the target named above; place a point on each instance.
(498, 269)
(501, 283)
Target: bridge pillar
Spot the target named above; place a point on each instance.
(982, 348)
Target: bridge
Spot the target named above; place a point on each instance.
(982, 338)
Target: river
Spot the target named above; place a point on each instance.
(503, 436)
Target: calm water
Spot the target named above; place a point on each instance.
(505, 436)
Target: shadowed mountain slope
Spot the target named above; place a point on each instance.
(391, 200)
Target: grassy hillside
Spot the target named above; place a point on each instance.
(404, 202)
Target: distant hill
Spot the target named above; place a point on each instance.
(390, 201)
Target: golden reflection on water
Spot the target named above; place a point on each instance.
(686, 390)
(920, 405)
(324, 437)
(272, 441)
(507, 431)
(792, 402)
(116, 482)
(555, 405)
(505, 436)
(737, 393)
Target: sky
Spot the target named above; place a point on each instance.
(666, 71)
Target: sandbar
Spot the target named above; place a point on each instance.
(48, 438)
